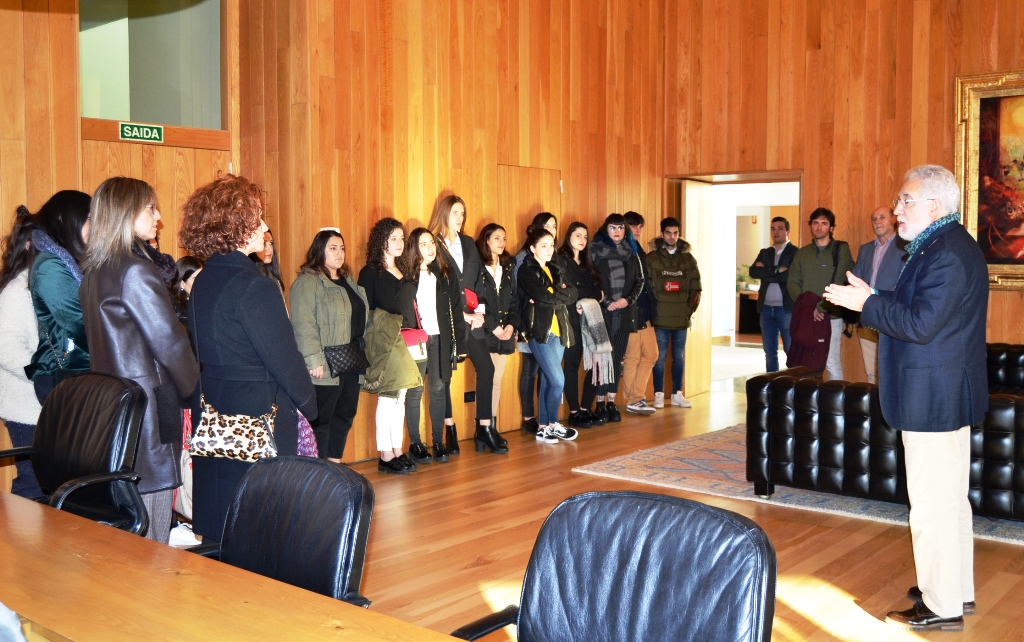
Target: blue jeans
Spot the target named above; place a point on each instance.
(774, 321)
(678, 338)
(549, 358)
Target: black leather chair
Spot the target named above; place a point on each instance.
(302, 521)
(639, 566)
(83, 450)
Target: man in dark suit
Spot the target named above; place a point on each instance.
(773, 301)
(933, 386)
(878, 263)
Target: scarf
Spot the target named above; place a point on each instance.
(164, 262)
(44, 243)
(597, 349)
(916, 244)
(617, 256)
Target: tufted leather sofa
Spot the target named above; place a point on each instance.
(830, 436)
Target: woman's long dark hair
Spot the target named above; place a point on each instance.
(377, 245)
(315, 255)
(63, 217)
(485, 252)
(569, 252)
(272, 269)
(412, 257)
(17, 247)
(537, 223)
(187, 266)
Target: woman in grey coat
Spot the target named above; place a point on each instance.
(133, 332)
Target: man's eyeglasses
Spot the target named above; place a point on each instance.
(896, 202)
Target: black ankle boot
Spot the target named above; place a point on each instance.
(498, 439)
(451, 439)
(484, 439)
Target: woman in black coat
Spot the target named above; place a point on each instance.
(133, 332)
(501, 314)
(460, 252)
(249, 360)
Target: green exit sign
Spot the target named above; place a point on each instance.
(144, 133)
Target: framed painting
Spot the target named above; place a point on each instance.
(990, 169)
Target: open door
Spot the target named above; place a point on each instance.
(697, 216)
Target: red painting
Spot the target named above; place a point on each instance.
(1001, 180)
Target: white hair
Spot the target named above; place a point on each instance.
(939, 183)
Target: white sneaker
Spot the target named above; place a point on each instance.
(561, 432)
(679, 400)
(546, 436)
(640, 408)
(183, 537)
(659, 400)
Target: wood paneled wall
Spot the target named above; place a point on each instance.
(853, 93)
(356, 110)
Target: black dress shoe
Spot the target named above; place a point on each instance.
(580, 419)
(921, 618)
(392, 467)
(451, 439)
(614, 416)
(915, 594)
(440, 452)
(406, 462)
(530, 426)
(419, 453)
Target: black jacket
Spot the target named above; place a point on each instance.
(626, 319)
(536, 316)
(587, 284)
(448, 297)
(246, 347)
(502, 307)
(770, 273)
(385, 291)
(470, 277)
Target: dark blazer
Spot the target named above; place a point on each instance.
(502, 306)
(247, 348)
(931, 351)
(134, 333)
(448, 297)
(470, 277)
(534, 285)
(770, 274)
(888, 269)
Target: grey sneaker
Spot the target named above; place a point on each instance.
(640, 408)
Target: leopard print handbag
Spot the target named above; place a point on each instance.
(239, 437)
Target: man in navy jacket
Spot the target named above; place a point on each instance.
(932, 385)
(879, 263)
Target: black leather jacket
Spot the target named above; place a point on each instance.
(537, 315)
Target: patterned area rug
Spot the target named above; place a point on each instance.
(715, 464)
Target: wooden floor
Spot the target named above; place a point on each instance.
(450, 543)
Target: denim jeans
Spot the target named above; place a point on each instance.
(678, 338)
(774, 321)
(549, 358)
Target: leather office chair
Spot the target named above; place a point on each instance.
(639, 566)
(83, 450)
(302, 521)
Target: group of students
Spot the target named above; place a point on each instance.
(83, 287)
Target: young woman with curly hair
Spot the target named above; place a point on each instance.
(461, 253)
(249, 361)
(386, 288)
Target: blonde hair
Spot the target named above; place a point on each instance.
(116, 204)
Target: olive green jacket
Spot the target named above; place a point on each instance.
(812, 269)
(322, 316)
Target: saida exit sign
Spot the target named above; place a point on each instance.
(140, 132)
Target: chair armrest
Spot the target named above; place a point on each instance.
(57, 499)
(17, 453)
(488, 624)
(206, 550)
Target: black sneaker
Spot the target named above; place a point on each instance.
(392, 467)
(531, 426)
(600, 415)
(407, 462)
(419, 453)
(614, 416)
(579, 419)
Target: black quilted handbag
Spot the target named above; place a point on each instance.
(347, 358)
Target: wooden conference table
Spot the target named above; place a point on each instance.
(78, 580)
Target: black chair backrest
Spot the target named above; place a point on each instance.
(302, 521)
(639, 566)
(89, 424)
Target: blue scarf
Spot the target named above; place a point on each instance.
(916, 244)
(44, 243)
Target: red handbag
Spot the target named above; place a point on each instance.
(472, 302)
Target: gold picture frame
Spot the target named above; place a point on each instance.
(1000, 230)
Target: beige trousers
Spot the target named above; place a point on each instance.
(941, 526)
(869, 351)
(641, 355)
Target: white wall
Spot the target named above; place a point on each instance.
(731, 201)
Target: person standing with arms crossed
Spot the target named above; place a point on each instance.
(774, 304)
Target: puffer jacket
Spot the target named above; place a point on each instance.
(59, 311)
(544, 298)
(675, 284)
(391, 366)
(322, 316)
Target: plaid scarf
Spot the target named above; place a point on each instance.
(597, 348)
